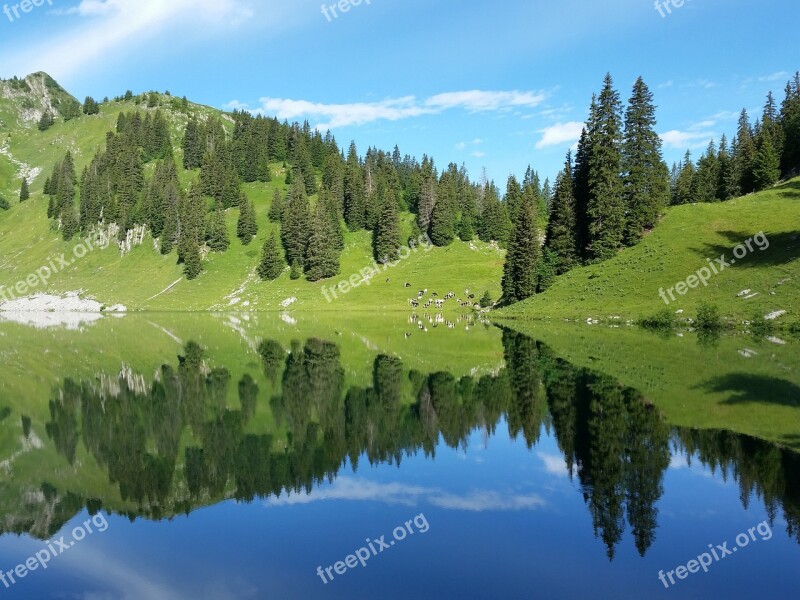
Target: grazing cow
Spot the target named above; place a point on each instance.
(420, 295)
(408, 335)
(471, 296)
(408, 285)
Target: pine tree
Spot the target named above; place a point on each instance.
(386, 237)
(523, 256)
(46, 121)
(217, 230)
(296, 225)
(561, 238)
(745, 154)
(322, 258)
(69, 223)
(24, 192)
(706, 178)
(192, 146)
(581, 190)
(246, 226)
(271, 265)
(766, 165)
(790, 126)
(685, 181)
(646, 175)
(354, 192)
(606, 194)
(276, 208)
(90, 106)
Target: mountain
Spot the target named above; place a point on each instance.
(139, 277)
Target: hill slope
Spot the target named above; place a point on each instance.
(629, 285)
(145, 280)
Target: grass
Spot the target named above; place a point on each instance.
(139, 279)
(629, 284)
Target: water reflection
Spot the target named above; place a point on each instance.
(175, 442)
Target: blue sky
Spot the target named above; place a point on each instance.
(498, 85)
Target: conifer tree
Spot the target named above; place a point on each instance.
(520, 277)
(646, 175)
(276, 208)
(561, 237)
(766, 165)
(745, 154)
(246, 226)
(296, 226)
(706, 178)
(217, 230)
(683, 187)
(46, 121)
(322, 258)
(192, 146)
(581, 190)
(606, 195)
(24, 192)
(90, 106)
(386, 237)
(354, 191)
(271, 265)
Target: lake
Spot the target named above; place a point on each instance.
(256, 456)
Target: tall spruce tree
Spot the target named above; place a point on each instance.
(520, 271)
(322, 257)
(646, 175)
(246, 226)
(581, 190)
(24, 192)
(683, 187)
(354, 191)
(386, 237)
(296, 226)
(766, 165)
(561, 238)
(606, 193)
(276, 208)
(217, 230)
(745, 154)
(271, 265)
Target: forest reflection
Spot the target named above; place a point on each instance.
(615, 444)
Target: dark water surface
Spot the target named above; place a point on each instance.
(246, 471)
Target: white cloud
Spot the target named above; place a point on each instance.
(461, 145)
(554, 464)
(681, 140)
(702, 125)
(779, 76)
(101, 29)
(478, 154)
(330, 116)
(479, 101)
(666, 84)
(560, 133)
(346, 488)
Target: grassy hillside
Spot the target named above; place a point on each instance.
(145, 280)
(628, 285)
(740, 383)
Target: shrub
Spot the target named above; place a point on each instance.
(663, 320)
(486, 300)
(708, 318)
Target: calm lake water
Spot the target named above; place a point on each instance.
(218, 457)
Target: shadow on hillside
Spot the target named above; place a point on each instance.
(756, 389)
(790, 189)
(783, 248)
